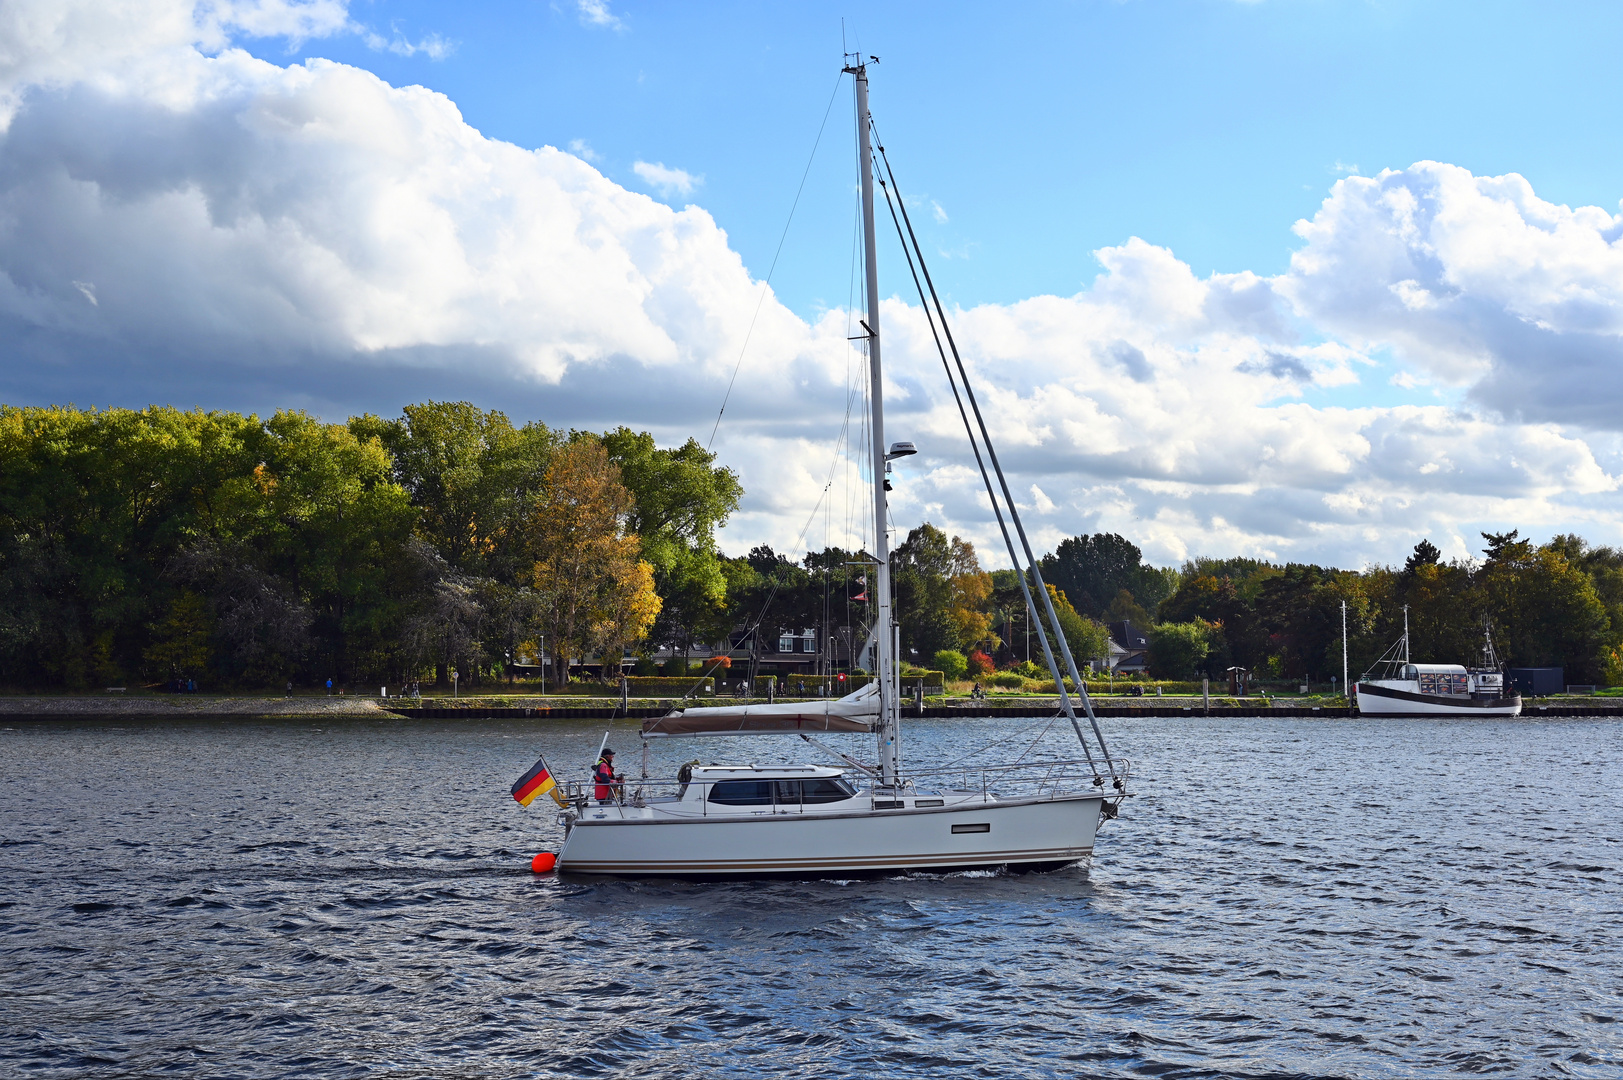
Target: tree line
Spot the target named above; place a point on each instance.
(158, 544)
(1558, 604)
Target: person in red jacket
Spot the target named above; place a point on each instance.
(608, 781)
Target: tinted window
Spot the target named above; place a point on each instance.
(825, 790)
(742, 793)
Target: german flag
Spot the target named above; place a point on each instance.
(535, 782)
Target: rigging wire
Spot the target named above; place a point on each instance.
(999, 741)
(850, 312)
(1048, 604)
(850, 399)
(997, 509)
(767, 283)
(771, 594)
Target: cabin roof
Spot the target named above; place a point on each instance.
(761, 772)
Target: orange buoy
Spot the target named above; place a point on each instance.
(544, 862)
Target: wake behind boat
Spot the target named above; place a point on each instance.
(809, 820)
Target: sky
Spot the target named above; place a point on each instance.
(1303, 280)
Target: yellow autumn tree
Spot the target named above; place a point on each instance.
(969, 597)
(595, 591)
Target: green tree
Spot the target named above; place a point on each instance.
(1545, 611)
(1445, 612)
(93, 504)
(181, 648)
(1239, 638)
(1180, 650)
(1087, 638)
(336, 524)
(680, 497)
(1300, 610)
(1425, 554)
(473, 477)
(951, 663)
(921, 575)
(1094, 570)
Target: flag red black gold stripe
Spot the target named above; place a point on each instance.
(537, 781)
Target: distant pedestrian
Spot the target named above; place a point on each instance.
(329, 688)
(290, 688)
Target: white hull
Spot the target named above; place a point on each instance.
(642, 841)
(1376, 699)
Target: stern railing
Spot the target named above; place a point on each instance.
(1033, 779)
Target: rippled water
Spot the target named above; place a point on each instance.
(1283, 897)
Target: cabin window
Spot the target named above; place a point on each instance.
(742, 793)
(825, 789)
(1444, 682)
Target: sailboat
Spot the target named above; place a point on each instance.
(744, 820)
(1395, 686)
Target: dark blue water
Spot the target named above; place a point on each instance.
(1283, 897)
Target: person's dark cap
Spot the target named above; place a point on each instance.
(608, 753)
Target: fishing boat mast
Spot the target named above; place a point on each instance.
(885, 623)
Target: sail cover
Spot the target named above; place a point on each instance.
(854, 712)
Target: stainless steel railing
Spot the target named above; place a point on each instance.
(1032, 779)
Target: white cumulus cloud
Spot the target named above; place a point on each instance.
(597, 13)
(183, 222)
(665, 180)
(1476, 281)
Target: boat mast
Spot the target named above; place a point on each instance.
(1346, 687)
(884, 626)
(1406, 634)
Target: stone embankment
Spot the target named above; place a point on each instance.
(179, 706)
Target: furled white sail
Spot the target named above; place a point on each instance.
(858, 711)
